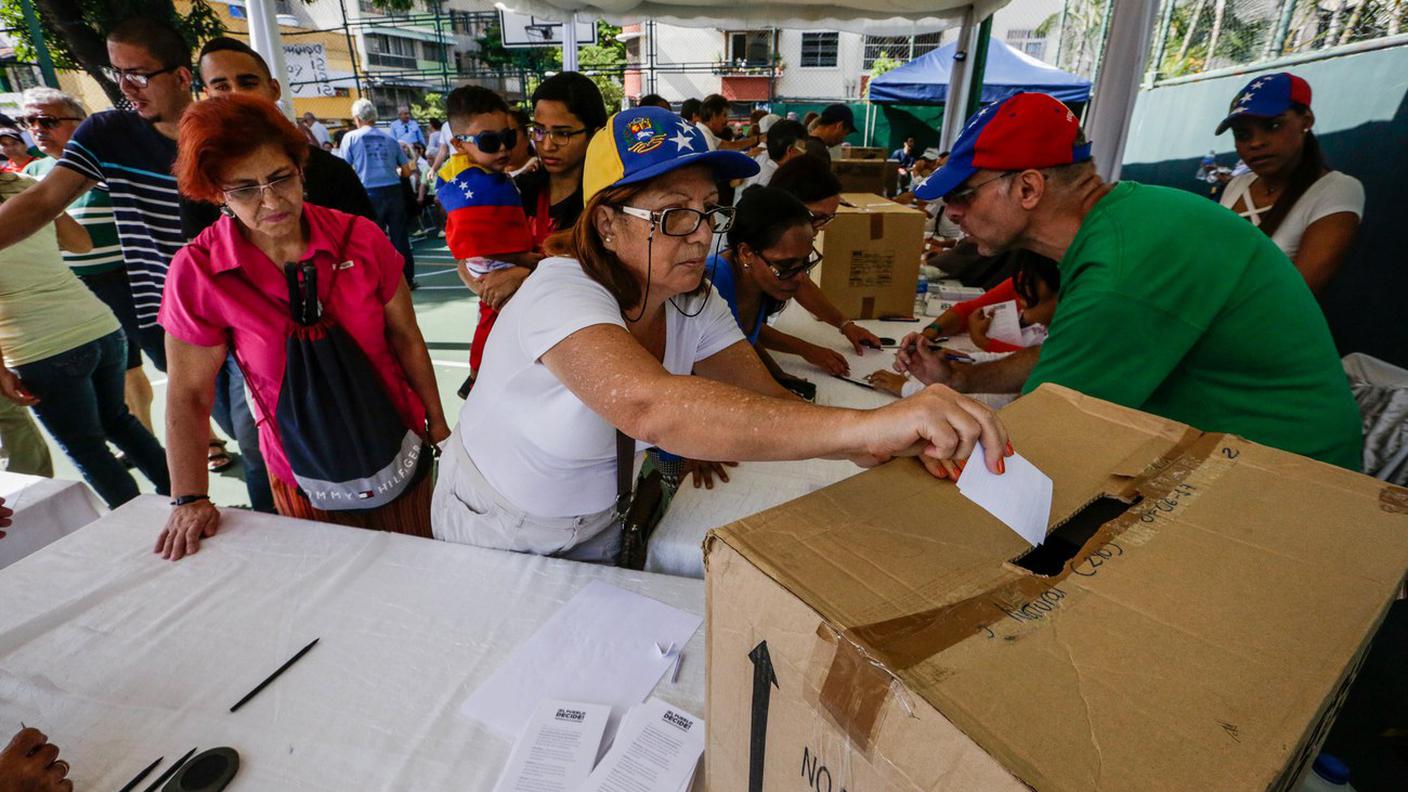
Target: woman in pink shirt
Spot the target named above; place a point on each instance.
(229, 290)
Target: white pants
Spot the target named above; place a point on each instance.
(467, 509)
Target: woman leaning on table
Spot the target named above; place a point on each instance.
(280, 282)
(621, 331)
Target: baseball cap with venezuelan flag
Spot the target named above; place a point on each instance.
(1028, 130)
(1267, 96)
(642, 143)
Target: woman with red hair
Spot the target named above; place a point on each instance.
(313, 306)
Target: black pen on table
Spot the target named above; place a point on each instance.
(952, 357)
(137, 779)
(251, 694)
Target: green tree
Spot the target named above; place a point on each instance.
(75, 30)
(432, 105)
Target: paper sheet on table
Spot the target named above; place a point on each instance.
(557, 750)
(657, 749)
(1020, 498)
(598, 648)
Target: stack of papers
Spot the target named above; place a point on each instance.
(657, 749)
(557, 750)
(1007, 326)
(1020, 498)
(602, 647)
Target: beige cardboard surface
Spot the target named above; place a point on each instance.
(860, 175)
(1212, 625)
(870, 257)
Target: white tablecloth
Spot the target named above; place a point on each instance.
(676, 545)
(45, 509)
(121, 657)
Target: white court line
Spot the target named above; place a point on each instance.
(461, 287)
(157, 383)
(450, 363)
(436, 272)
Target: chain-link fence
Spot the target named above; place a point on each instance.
(1196, 36)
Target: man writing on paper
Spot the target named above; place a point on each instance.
(1167, 304)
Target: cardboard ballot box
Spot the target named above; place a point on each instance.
(1192, 622)
(867, 152)
(862, 175)
(870, 257)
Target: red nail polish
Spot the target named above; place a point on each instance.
(1010, 452)
(1001, 467)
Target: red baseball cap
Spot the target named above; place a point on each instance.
(1028, 130)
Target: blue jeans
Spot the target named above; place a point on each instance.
(80, 403)
(231, 411)
(390, 206)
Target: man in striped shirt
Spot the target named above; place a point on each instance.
(51, 117)
(132, 153)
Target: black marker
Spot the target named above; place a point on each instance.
(137, 779)
(170, 771)
(251, 694)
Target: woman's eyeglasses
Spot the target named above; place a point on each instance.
(33, 122)
(491, 142)
(136, 78)
(820, 219)
(680, 222)
(787, 269)
(559, 137)
(283, 186)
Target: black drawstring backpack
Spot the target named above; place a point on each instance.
(344, 440)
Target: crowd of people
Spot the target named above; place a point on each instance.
(626, 267)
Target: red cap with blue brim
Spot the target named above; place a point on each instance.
(1028, 130)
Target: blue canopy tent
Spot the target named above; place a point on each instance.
(1009, 71)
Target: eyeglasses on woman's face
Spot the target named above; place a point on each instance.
(681, 221)
(558, 136)
(789, 268)
(286, 187)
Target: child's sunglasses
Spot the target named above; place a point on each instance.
(491, 142)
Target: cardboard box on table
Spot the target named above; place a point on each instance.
(870, 257)
(867, 152)
(878, 635)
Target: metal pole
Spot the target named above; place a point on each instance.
(569, 43)
(1061, 30)
(1161, 46)
(444, 49)
(351, 48)
(41, 48)
(956, 98)
(1277, 43)
(979, 67)
(264, 39)
(1104, 38)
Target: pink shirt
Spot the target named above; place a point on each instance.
(219, 288)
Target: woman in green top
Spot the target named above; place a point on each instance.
(65, 357)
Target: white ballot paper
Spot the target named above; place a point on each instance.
(656, 750)
(1021, 497)
(557, 750)
(602, 647)
(1007, 326)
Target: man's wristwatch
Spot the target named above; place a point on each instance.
(186, 500)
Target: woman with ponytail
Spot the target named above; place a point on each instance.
(1311, 212)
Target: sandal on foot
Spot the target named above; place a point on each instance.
(217, 459)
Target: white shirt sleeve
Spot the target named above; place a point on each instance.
(557, 300)
(1335, 192)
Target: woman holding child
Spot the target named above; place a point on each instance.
(620, 336)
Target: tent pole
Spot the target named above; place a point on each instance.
(980, 66)
(1117, 82)
(569, 43)
(958, 82)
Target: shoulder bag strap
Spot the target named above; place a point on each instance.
(625, 467)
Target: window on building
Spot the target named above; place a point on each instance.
(366, 7)
(900, 48)
(819, 49)
(750, 47)
(393, 51)
(1028, 41)
(432, 52)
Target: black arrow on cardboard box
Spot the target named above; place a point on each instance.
(763, 676)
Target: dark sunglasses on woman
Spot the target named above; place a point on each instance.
(491, 142)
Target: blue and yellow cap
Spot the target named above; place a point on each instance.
(643, 143)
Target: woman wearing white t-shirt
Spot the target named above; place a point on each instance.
(624, 333)
(1311, 212)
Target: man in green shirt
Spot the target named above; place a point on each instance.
(1169, 303)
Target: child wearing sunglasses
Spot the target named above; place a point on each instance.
(485, 226)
